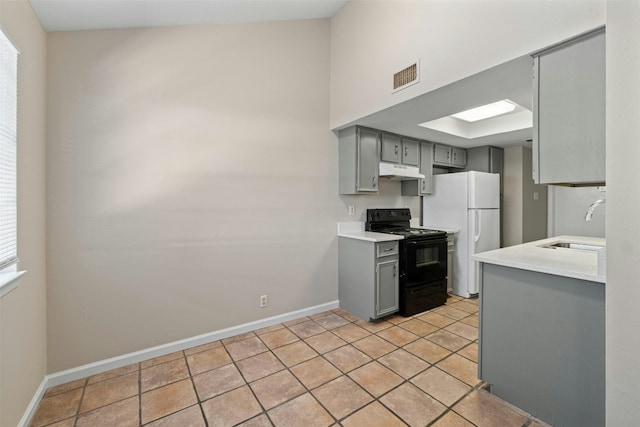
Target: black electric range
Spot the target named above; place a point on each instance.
(422, 259)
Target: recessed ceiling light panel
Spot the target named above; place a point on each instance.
(486, 111)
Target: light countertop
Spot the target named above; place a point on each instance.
(370, 236)
(355, 230)
(533, 256)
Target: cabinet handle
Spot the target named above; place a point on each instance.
(423, 185)
(374, 182)
(406, 151)
(396, 152)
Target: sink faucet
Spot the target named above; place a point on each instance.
(593, 207)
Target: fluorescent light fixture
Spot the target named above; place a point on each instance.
(518, 118)
(486, 111)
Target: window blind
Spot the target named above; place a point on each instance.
(8, 136)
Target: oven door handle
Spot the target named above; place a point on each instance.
(432, 242)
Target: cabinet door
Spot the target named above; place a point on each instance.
(569, 113)
(421, 187)
(441, 154)
(410, 152)
(459, 157)
(368, 166)
(391, 148)
(426, 168)
(386, 287)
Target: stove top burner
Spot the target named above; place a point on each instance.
(396, 221)
(413, 232)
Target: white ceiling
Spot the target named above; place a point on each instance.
(511, 80)
(75, 15)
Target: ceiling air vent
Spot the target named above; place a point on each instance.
(406, 77)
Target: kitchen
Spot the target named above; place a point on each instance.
(252, 200)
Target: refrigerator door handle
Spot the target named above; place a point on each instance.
(478, 227)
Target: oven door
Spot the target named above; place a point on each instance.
(424, 261)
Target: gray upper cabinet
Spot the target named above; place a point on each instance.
(410, 153)
(458, 157)
(359, 160)
(424, 186)
(441, 155)
(450, 157)
(391, 148)
(485, 159)
(569, 112)
(397, 149)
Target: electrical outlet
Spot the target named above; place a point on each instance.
(352, 210)
(263, 301)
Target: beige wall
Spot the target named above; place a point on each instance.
(524, 218)
(372, 40)
(513, 209)
(77, 151)
(23, 311)
(534, 218)
(190, 170)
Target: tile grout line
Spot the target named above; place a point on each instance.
(347, 342)
(346, 374)
(195, 390)
(139, 394)
(248, 384)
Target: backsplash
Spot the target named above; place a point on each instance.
(389, 196)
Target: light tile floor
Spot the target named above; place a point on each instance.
(330, 369)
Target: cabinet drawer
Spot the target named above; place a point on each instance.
(386, 249)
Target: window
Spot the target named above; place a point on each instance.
(8, 135)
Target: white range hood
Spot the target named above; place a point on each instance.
(399, 172)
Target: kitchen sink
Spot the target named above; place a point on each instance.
(574, 245)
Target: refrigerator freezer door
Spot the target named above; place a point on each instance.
(484, 190)
(484, 235)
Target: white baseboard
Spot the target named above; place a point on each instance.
(33, 405)
(161, 350)
(149, 353)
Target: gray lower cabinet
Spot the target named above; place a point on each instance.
(569, 100)
(420, 187)
(542, 344)
(359, 160)
(368, 277)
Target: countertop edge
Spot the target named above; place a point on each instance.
(370, 236)
(517, 257)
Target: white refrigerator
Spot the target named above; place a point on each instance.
(470, 203)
